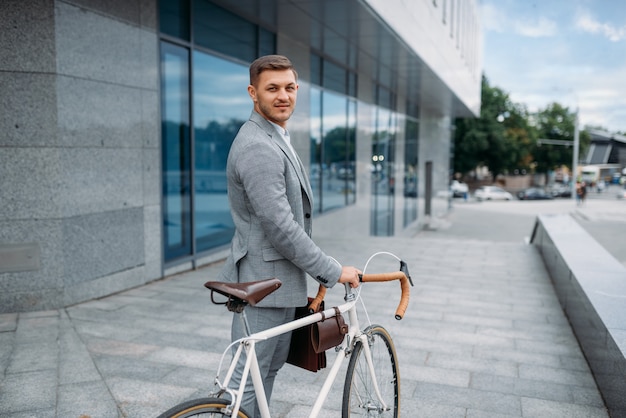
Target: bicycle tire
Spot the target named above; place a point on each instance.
(201, 408)
(359, 397)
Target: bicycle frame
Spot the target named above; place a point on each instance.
(252, 370)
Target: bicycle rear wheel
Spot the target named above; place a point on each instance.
(201, 408)
(359, 394)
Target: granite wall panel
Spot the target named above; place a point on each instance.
(44, 233)
(590, 285)
(27, 109)
(153, 249)
(98, 114)
(80, 161)
(94, 47)
(40, 288)
(99, 244)
(29, 183)
(103, 286)
(128, 11)
(100, 179)
(27, 41)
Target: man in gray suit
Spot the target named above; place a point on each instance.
(271, 203)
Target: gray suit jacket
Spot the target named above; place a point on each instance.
(270, 201)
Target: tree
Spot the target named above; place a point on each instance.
(557, 123)
(500, 139)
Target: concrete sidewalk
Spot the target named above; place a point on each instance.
(484, 336)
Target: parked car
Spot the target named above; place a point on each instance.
(561, 190)
(458, 188)
(492, 193)
(534, 193)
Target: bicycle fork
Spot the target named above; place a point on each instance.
(367, 352)
(370, 365)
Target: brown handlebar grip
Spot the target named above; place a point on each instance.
(404, 287)
(317, 300)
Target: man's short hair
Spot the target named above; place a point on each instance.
(270, 62)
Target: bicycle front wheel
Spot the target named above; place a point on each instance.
(359, 392)
(202, 408)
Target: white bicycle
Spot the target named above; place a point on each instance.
(372, 385)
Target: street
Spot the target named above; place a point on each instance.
(603, 215)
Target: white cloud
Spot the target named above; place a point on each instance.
(587, 23)
(492, 18)
(583, 70)
(495, 19)
(536, 29)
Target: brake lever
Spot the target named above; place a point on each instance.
(404, 268)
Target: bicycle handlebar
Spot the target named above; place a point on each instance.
(314, 306)
(404, 287)
(379, 277)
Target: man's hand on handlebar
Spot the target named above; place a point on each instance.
(350, 275)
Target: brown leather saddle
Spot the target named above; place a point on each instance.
(241, 294)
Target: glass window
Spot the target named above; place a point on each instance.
(333, 135)
(220, 30)
(196, 213)
(336, 167)
(315, 121)
(316, 70)
(176, 150)
(267, 42)
(383, 177)
(410, 171)
(350, 186)
(333, 150)
(352, 86)
(174, 18)
(334, 77)
(220, 106)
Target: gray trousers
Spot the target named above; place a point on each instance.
(271, 353)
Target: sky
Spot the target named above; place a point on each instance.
(572, 52)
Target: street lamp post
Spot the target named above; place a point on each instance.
(566, 143)
(575, 155)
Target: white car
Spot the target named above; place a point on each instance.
(492, 193)
(458, 189)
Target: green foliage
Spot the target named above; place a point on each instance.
(501, 138)
(505, 136)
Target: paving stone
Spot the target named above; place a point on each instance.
(532, 407)
(484, 337)
(29, 391)
(34, 357)
(86, 399)
(8, 322)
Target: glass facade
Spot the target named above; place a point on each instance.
(205, 53)
(220, 106)
(333, 149)
(383, 179)
(333, 135)
(176, 160)
(204, 102)
(410, 182)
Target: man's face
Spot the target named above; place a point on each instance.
(275, 95)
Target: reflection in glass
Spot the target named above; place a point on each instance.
(222, 31)
(338, 171)
(410, 171)
(315, 174)
(333, 149)
(350, 185)
(220, 106)
(176, 150)
(382, 176)
(174, 18)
